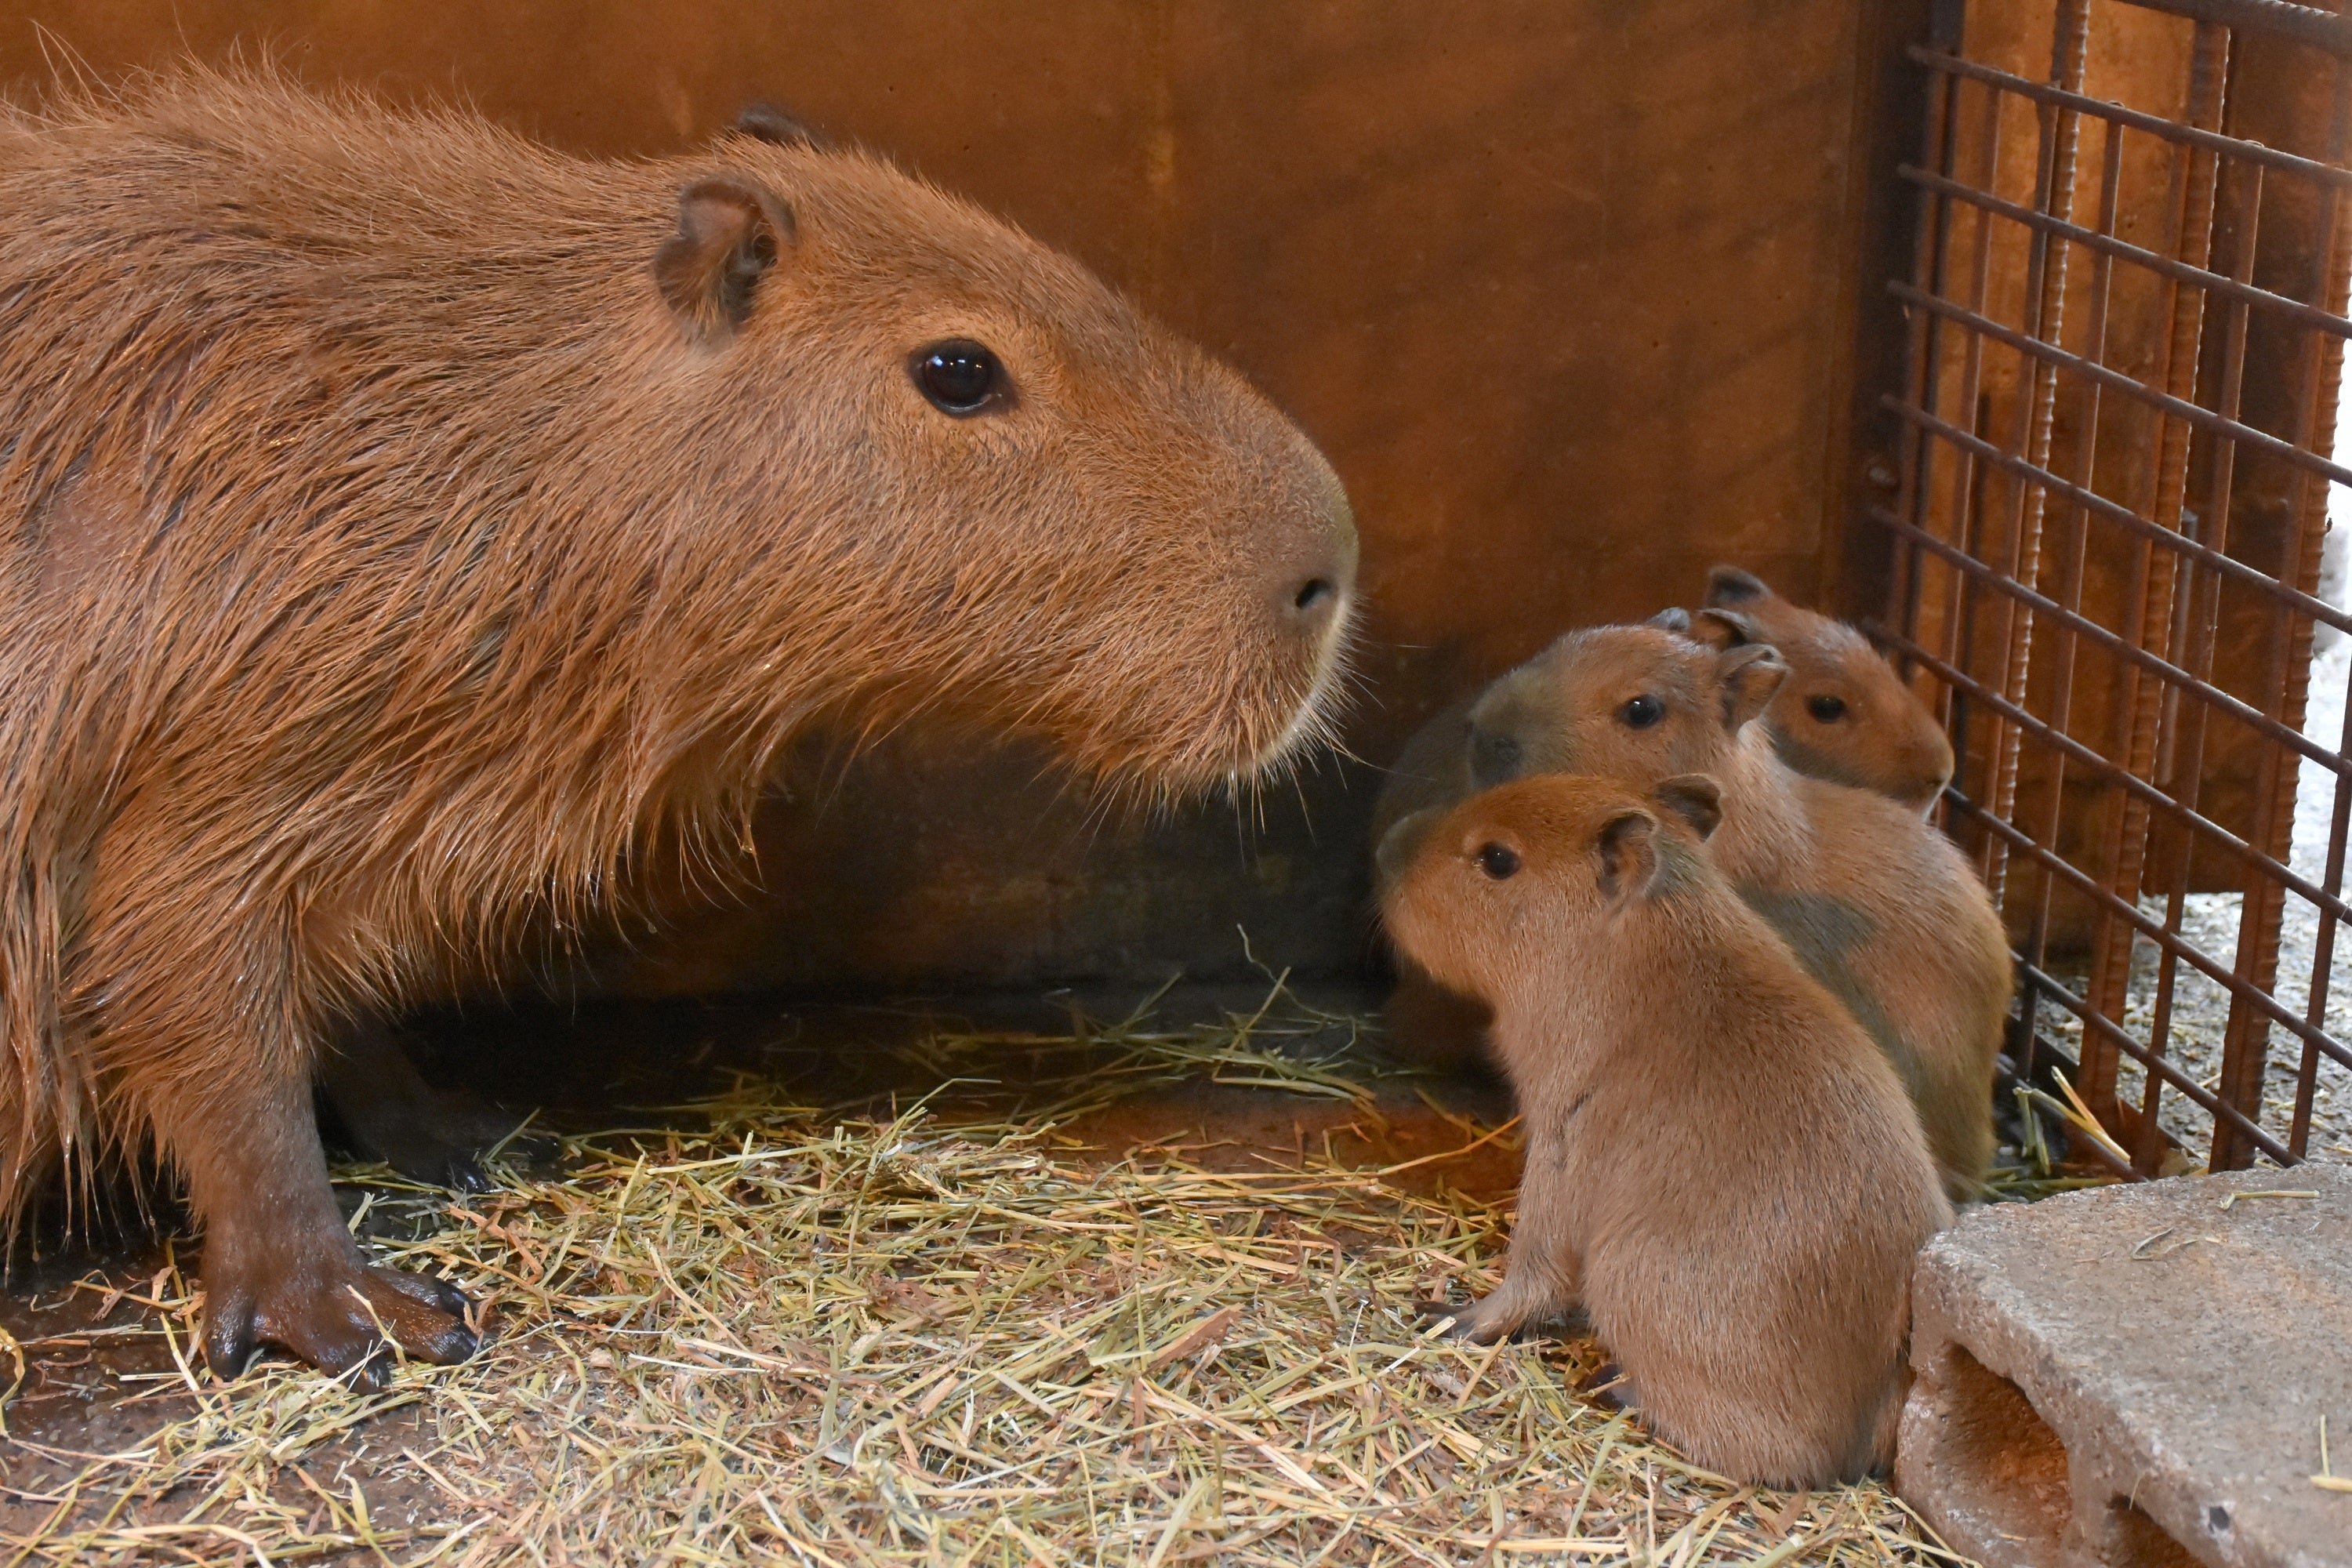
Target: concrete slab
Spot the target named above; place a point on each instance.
(2134, 1378)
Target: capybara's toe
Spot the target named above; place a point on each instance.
(426, 1315)
(231, 1333)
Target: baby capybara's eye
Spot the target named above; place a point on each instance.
(959, 376)
(1498, 860)
(1825, 709)
(1642, 711)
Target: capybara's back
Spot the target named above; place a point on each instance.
(405, 529)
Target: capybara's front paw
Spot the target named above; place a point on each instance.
(342, 1318)
(1502, 1314)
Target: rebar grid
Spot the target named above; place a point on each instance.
(2074, 516)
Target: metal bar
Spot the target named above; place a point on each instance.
(2245, 1048)
(2154, 124)
(2200, 602)
(2304, 24)
(2130, 652)
(2025, 1041)
(1930, 259)
(2339, 823)
(2329, 900)
(2045, 290)
(2292, 597)
(2167, 403)
(2124, 250)
(1959, 623)
(2194, 175)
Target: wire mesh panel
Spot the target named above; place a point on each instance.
(2128, 325)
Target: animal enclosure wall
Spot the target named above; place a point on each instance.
(1569, 290)
(2119, 443)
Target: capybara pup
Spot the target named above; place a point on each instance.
(412, 533)
(1842, 714)
(1720, 1167)
(1877, 904)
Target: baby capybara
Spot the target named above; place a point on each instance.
(412, 531)
(1877, 904)
(1720, 1168)
(1842, 714)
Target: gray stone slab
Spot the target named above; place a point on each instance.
(2135, 1376)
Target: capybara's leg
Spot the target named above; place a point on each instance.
(391, 1114)
(1542, 1275)
(1431, 1026)
(279, 1267)
(215, 1060)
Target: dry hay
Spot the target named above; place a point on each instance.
(787, 1337)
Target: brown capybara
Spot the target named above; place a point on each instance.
(413, 532)
(1877, 905)
(1433, 1027)
(1720, 1169)
(1842, 714)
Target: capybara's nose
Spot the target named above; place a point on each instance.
(1313, 589)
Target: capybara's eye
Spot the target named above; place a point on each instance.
(1498, 860)
(1826, 708)
(1642, 711)
(959, 376)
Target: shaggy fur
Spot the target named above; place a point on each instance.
(1721, 1170)
(1876, 734)
(411, 531)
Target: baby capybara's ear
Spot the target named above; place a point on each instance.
(1750, 674)
(1626, 856)
(1398, 844)
(1730, 585)
(766, 122)
(1723, 629)
(1672, 620)
(731, 233)
(1697, 798)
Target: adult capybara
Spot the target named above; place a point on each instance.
(413, 531)
(1877, 905)
(1842, 714)
(1721, 1170)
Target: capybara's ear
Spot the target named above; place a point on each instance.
(1697, 798)
(1750, 675)
(1730, 585)
(1627, 853)
(1673, 620)
(1724, 628)
(766, 122)
(729, 233)
(1395, 850)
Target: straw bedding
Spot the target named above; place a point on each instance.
(781, 1334)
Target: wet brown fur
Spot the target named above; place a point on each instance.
(1720, 1168)
(411, 531)
(1875, 902)
(1885, 740)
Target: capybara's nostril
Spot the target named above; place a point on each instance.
(1314, 592)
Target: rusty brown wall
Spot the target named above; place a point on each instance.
(1567, 289)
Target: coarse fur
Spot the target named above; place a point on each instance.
(1720, 1168)
(413, 532)
(1877, 905)
(1842, 714)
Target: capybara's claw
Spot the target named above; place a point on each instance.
(1608, 1385)
(345, 1320)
